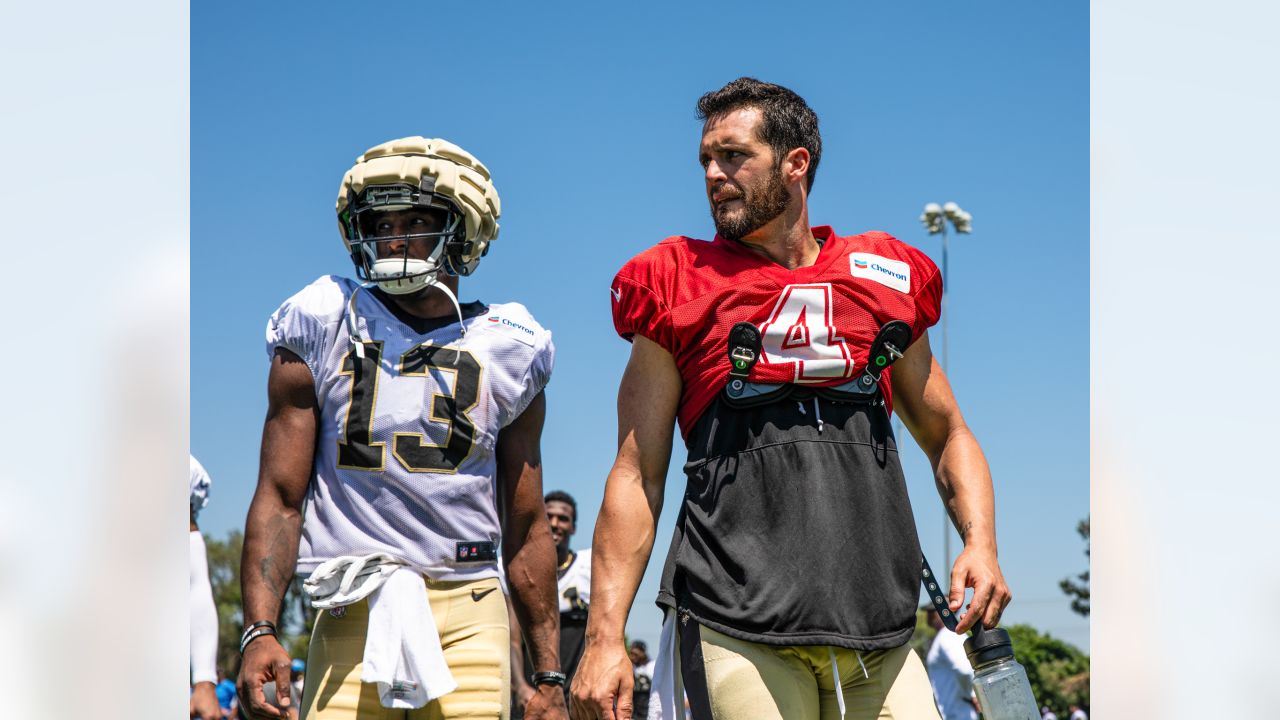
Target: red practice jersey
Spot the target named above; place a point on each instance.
(816, 323)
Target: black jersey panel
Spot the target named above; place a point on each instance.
(793, 536)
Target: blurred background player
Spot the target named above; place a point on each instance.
(227, 695)
(204, 615)
(399, 420)
(950, 672)
(573, 585)
(643, 664)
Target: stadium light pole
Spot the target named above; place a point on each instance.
(935, 219)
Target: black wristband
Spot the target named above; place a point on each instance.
(255, 631)
(548, 677)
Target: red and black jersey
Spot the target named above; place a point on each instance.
(817, 323)
(795, 527)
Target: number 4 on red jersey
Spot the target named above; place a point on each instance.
(800, 331)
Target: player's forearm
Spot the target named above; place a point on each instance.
(274, 523)
(620, 552)
(270, 553)
(964, 482)
(531, 573)
(647, 400)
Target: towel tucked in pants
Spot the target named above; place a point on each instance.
(472, 620)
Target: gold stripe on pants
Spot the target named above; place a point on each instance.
(472, 620)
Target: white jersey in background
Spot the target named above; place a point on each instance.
(203, 612)
(577, 578)
(951, 676)
(405, 460)
(199, 487)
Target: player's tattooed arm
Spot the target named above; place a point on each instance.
(274, 523)
(922, 397)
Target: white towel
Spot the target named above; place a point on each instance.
(402, 652)
(666, 686)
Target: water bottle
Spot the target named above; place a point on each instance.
(999, 681)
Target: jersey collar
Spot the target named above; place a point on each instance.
(831, 247)
(422, 326)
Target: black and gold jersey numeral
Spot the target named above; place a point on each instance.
(412, 449)
(356, 450)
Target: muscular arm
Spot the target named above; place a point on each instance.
(274, 523)
(527, 548)
(647, 401)
(923, 399)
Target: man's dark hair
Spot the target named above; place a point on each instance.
(639, 645)
(564, 497)
(787, 121)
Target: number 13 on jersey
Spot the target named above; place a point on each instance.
(358, 451)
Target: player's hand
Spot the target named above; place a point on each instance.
(977, 568)
(524, 692)
(204, 702)
(265, 660)
(546, 703)
(602, 684)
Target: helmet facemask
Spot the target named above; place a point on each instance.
(397, 270)
(424, 174)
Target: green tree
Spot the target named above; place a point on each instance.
(297, 616)
(1059, 672)
(1078, 589)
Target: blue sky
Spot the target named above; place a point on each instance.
(585, 117)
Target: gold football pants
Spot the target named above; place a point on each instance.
(472, 620)
(731, 679)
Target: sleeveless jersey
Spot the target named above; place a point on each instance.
(817, 322)
(405, 460)
(795, 526)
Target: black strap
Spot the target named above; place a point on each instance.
(548, 677)
(936, 597)
(693, 668)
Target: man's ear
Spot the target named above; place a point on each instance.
(795, 166)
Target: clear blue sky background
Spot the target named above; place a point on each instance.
(585, 117)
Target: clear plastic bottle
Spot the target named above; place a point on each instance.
(999, 681)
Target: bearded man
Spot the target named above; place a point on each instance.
(791, 584)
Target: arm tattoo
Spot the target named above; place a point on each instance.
(271, 578)
(964, 529)
(274, 574)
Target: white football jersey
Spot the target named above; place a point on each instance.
(199, 487)
(405, 460)
(578, 579)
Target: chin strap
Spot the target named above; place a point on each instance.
(453, 299)
(353, 326)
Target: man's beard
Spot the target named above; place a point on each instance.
(761, 203)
